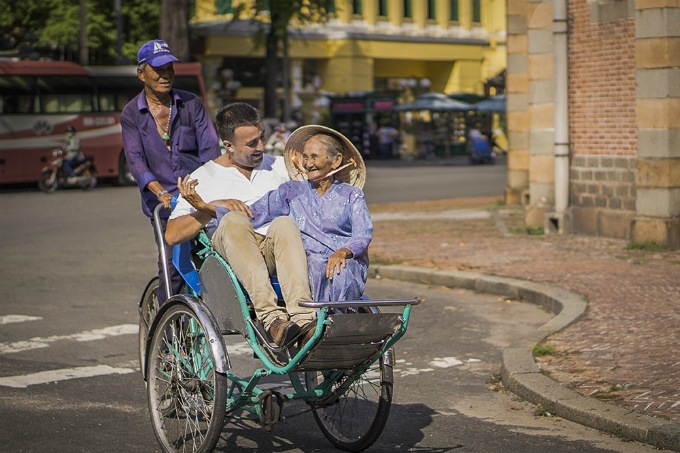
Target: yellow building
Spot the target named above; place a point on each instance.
(447, 46)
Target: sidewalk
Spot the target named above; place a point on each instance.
(622, 351)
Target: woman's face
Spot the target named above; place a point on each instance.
(317, 161)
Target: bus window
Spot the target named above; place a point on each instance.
(65, 94)
(16, 94)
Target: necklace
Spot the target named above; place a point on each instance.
(166, 130)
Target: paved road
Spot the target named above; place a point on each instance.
(71, 271)
(395, 181)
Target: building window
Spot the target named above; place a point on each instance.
(356, 7)
(382, 8)
(224, 6)
(431, 9)
(408, 10)
(453, 12)
(476, 11)
(330, 6)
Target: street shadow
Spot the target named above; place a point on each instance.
(403, 432)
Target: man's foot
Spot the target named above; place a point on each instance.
(283, 331)
(307, 333)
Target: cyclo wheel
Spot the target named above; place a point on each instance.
(187, 397)
(147, 311)
(355, 420)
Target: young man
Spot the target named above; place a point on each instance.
(167, 133)
(244, 173)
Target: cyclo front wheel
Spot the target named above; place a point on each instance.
(355, 420)
(187, 397)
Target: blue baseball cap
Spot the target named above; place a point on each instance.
(155, 53)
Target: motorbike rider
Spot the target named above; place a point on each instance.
(74, 156)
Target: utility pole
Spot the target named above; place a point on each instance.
(84, 57)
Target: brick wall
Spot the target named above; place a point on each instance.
(602, 109)
(603, 182)
(601, 83)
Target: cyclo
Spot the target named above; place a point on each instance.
(343, 373)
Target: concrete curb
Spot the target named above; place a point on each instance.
(519, 371)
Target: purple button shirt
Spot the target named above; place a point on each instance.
(193, 142)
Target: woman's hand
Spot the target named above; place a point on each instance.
(187, 187)
(337, 261)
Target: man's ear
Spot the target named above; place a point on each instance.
(226, 144)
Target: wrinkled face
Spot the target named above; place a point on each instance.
(247, 147)
(158, 79)
(317, 160)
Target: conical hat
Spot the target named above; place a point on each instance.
(354, 175)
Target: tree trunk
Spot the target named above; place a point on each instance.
(175, 27)
(271, 79)
(84, 57)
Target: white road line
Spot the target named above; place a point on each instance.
(88, 335)
(8, 319)
(60, 375)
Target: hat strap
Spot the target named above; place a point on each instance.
(351, 162)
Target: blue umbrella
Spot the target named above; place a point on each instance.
(492, 104)
(435, 102)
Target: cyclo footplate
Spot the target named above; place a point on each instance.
(271, 405)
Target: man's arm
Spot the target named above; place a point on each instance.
(185, 227)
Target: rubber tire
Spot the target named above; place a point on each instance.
(339, 421)
(184, 405)
(43, 181)
(147, 311)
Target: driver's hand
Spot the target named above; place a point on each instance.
(165, 199)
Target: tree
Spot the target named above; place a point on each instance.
(274, 31)
(50, 28)
(175, 27)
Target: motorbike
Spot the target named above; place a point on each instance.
(54, 175)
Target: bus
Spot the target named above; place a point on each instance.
(40, 99)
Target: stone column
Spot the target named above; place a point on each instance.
(517, 88)
(541, 103)
(657, 56)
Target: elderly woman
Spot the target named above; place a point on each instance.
(330, 209)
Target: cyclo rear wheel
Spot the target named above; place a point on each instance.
(355, 420)
(187, 397)
(147, 311)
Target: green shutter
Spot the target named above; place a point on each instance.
(453, 15)
(224, 6)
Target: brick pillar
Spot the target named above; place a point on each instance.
(517, 89)
(657, 49)
(541, 103)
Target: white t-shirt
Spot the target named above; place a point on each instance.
(216, 182)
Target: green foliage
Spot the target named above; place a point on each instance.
(535, 230)
(541, 349)
(646, 246)
(52, 27)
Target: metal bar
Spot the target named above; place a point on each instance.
(361, 303)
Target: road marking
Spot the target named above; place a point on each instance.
(60, 375)
(456, 214)
(8, 319)
(88, 335)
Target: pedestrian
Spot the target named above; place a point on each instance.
(387, 136)
(234, 180)
(167, 133)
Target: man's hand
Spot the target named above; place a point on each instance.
(187, 187)
(337, 261)
(165, 199)
(234, 205)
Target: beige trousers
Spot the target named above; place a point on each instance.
(255, 258)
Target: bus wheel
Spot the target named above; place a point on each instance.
(124, 176)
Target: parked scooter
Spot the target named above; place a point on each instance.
(54, 176)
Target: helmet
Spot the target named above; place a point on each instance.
(70, 129)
